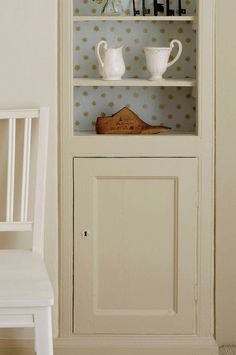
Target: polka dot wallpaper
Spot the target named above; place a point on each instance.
(89, 7)
(133, 36)
(174, 107)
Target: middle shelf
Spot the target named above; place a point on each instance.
(186, 82)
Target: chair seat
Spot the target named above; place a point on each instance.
(24, 281)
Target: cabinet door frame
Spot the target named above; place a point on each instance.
(181, 318)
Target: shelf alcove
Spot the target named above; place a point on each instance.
(170, 102)
(85, 8)
(174, 107)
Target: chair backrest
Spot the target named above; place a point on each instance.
(23, 224)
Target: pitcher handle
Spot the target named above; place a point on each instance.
(172, 44)
(97, 52)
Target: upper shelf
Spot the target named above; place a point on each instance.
(135, 82)
(134, 18)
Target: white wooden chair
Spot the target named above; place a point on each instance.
(26, 294)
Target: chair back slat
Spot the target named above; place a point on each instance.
(26, 170)
(18, 114)
(11, 169)
(40, 193)
(23, 224)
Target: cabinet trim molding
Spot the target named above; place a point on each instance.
(151, 345)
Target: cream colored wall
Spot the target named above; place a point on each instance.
(28, 78)
(226, 173)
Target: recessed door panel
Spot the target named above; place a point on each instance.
(129, 247)
(135, 245)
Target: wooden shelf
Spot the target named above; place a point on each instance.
(135, 82)
(170, 134)
(134, 18)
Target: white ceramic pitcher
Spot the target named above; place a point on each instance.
(111, 61)
(158, 59)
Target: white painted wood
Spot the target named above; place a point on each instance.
(24, 281)
(26, 294)
(11, 169)
(200, 146)
(40, 195)
(140, 216)
(66, 208)
(139, 146)
(26, 170)
(43, 333)
(181, 134)
(206, 131)
(11, 117)
(132, 18)
(135, 82)
(16, 227)
(119, 345)
(24, 224)
(137, 341)
(14, 320)
(19, 114)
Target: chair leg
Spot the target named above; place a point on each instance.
(35, 345)
(43, 331)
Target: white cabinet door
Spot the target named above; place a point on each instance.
(135, 232)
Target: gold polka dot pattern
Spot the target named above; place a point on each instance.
(174, 107)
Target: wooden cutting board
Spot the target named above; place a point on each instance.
(126, 121)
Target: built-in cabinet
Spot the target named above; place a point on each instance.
(135, 224)
(137, 212)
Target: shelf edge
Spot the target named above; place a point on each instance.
(135, 83)
(135, 18)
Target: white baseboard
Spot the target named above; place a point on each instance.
(118, 345)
